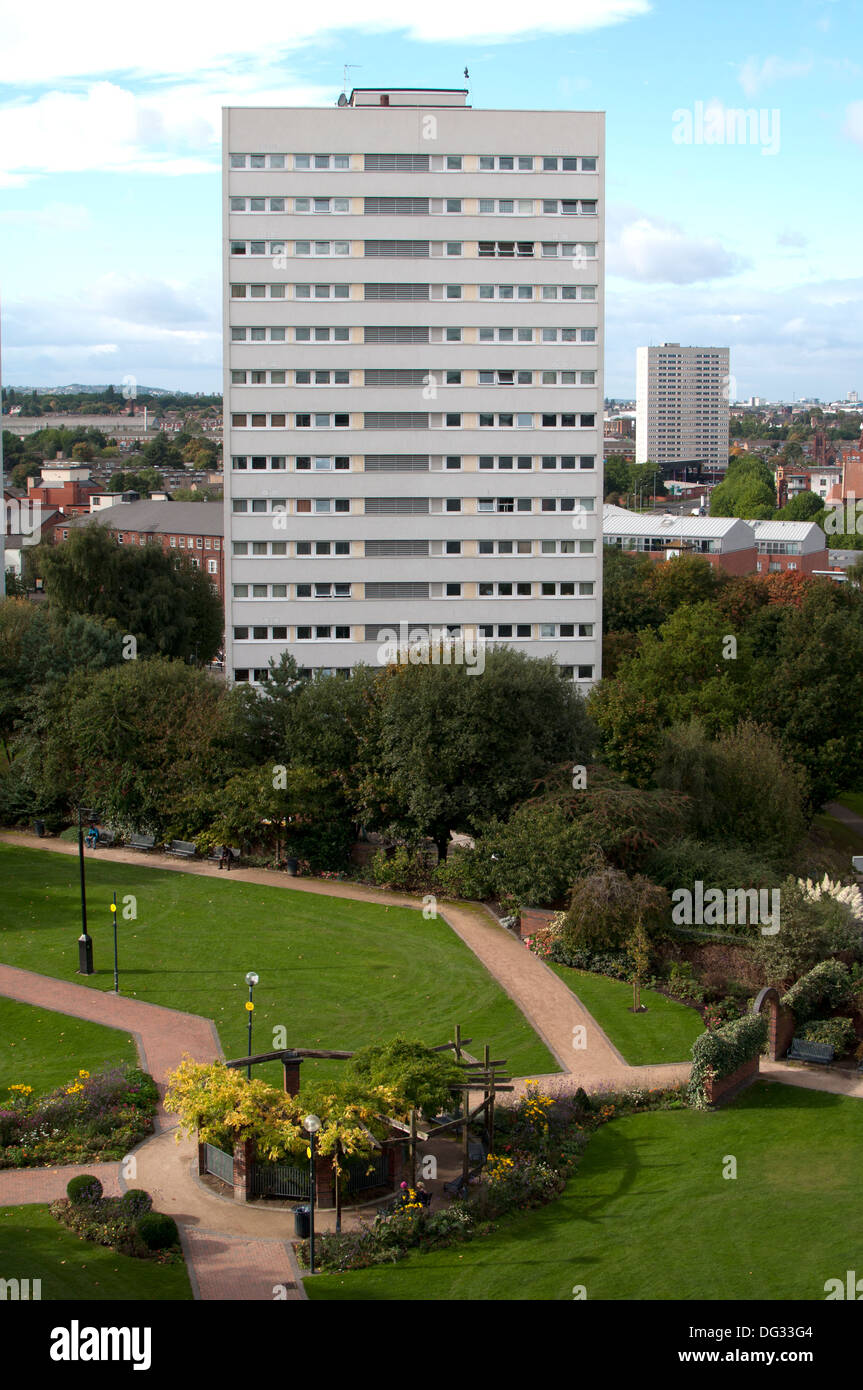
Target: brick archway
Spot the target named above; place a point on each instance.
(781, 1022)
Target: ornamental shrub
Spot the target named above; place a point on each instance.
(837, 1032)
(720, 1051)
(136, 1202)
(618, 965)
(84, 1190)
(157, 1231)
(827, 984)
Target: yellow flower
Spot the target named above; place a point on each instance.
(85, 1074)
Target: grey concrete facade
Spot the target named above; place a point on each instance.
(441, 435)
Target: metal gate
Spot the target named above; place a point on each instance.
(220, 1164)
(280, 1180)
(358, 1179)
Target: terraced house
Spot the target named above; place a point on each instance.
(413, 310)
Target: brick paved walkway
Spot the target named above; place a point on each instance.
(230, 1267)
(237, 1251)
(21, 1185)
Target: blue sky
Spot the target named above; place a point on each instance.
(110, 185)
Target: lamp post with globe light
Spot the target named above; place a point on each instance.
(311, 1124)
(251, 981)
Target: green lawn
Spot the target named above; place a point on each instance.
(35, 1246)
(334, 973)
(650, 1215)
(664, 1034)
(42, 1049)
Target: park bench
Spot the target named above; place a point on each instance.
(800, 1051)
(216, 853)
(107, 838)
(142, 841)
(184, 849)
(456, 1187)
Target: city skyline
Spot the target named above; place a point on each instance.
(110, 174)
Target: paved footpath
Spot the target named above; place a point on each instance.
(238, 1251)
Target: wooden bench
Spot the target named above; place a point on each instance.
(801, 1051)
(106, 838)
(184, 849)
(142, 842)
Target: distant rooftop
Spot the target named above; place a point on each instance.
(162, 518)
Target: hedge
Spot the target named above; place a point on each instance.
(826, 984)
(720, 1051)
(838, 1032)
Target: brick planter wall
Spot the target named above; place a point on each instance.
(533, 919)
(724, 1087)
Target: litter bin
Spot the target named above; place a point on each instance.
(39, 827)
(302, 1222)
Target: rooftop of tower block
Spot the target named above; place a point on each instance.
(408, 96)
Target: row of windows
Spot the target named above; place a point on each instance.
(422, 163)
(485, 589)
(418, 250)
(407, 376)
(413, 420)
(507, 589)
(261, 674)
(421, 207)
(406, 463)
(391, 547)
(337, 633)
(401, 506)
(405, 334)
(661, 543)
(270, 549)
(403, 292)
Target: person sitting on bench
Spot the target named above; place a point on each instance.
(92, 836)
(225, 858)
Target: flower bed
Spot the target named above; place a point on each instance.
(99, 1117)
(125, 1224)
(538, 1145)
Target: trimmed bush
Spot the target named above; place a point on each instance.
(158, 1231)
(617, 965)
(136, 1203)
(826, 984)
(837, 1032)
(84, 1190)
(720, 1051)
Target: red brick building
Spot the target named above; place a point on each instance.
(63, 486)
(195, 529)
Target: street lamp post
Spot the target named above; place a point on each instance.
(251, 981)
(116, 960)
(311, 1124)
(85, 941)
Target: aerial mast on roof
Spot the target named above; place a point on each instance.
(343, 99)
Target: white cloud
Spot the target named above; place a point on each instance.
(754, 75)
(59, 217)
(802, 337)
(653, 251)
(192, 37)
(794, 240)
(853, 127)
(123, 322)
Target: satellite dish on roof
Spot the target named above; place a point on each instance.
(343, 101)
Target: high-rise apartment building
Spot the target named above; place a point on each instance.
(413, 311)
(681, 412)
